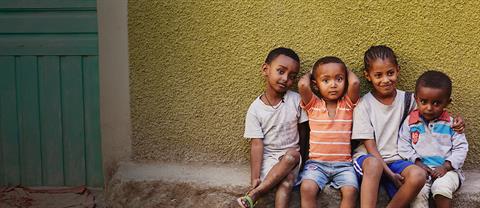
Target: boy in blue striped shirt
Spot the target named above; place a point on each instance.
(427, 139)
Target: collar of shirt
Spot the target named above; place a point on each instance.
(415, 117)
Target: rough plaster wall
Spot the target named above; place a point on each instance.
(195, 65)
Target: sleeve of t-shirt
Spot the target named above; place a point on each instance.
(362, 126)
(459, 150)
(405, 148)
(349, 102)
(301, 113)
(253, 127)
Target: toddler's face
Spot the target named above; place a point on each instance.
(383, 75)
(281, 73)
(431, 102)
(330, 79)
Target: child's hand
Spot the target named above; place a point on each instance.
(424, 167)
(307, 77)
(458, 124)
(439, 172)
(397, 179)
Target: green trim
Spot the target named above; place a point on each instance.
(48, 5)
(48, 22)
(81, 44)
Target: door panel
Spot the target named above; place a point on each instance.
(49, 93)
(9, 122)
(51, 119)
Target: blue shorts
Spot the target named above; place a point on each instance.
(396, 166)
(337, 174)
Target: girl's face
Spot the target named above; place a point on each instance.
(330, 79)
(383, 74)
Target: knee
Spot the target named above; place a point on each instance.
(349, 192)
(292, 157)
(373, 166)
(308, 187)
(439, 189)
(416, 176)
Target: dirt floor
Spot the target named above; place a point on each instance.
(51, 197)
(183, 195)
(165, 195)
(185, 185)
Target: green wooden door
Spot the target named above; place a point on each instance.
(49, 93)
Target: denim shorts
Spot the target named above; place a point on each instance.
(396, 166)
(335, 174)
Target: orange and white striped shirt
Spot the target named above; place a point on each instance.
(330, 137)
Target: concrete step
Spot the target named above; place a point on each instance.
(218, 185)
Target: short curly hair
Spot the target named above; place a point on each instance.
(434, 79)
(327, 60)
(281, 51)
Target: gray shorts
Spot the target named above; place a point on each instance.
(271, 160)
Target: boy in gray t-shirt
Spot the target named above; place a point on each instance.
(275, 124)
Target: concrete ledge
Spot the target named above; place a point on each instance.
(218, 185)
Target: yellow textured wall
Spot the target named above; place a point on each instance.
(195, 65)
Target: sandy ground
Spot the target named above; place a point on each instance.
(99, 195)
(166, 195)
(177, 185)
(51, 197)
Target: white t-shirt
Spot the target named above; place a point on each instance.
(374, 120)
(278, 127)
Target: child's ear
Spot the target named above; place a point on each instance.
(365, 74)
(265, 69)
(314, 86)
(449, 101)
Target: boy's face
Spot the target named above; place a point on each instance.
(431, 102)
(383, 75)
(280, 73)
(330, 80)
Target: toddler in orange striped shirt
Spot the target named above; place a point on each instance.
(330, 119)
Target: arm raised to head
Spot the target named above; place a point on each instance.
(304, 87)
(353, 90)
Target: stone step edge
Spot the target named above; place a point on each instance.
(207, 175)
(223, 175)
